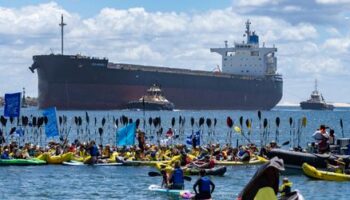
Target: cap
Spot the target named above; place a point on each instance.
(285, 179)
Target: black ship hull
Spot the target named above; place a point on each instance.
(136, 105)
(315, 106)
(73, 82)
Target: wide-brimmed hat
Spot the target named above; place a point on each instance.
(276, 163)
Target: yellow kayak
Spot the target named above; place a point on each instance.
(312, 172)
(254, 161)
(56, 159)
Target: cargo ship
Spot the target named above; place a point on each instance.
(247, 80)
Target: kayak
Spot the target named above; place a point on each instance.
(184, 194)
(217, 171)
(56, 159)
(32, 161)
(312, 172)
(295, 195)
(76, 163)
(143, 163)
(255, 161)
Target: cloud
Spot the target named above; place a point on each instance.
(333, 1)
(174, 39)
(257, 2)
(321, 12)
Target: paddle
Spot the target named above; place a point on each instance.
(265, 131)
(290, 130)
(229, 123)
(249, 127)
(342, 129)
(153, 174)
(277, 129)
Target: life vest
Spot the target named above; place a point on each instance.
(178, 176)
(286, 188)
(204, 186)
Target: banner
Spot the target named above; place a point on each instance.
(51, 128)
(126, 135)
(12, 104)
(197, 137)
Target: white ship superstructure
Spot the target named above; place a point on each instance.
(247, 58)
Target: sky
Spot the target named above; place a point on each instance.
(312, 37)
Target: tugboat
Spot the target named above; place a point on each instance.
(316, 102)
(153, 100)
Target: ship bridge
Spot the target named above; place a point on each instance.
(247, 58)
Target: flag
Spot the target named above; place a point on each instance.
(12, 104)
(19, 132)
(197, 136)
(126, 135)
(51, 128)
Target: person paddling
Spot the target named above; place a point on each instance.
(205, 186)
(177, 178)
(286, 188)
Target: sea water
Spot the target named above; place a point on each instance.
(119, 182)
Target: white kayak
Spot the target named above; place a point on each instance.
(184, 194)
(77, 163)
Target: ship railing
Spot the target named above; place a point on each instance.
(182, 71)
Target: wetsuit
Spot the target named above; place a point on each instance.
(203, 184)
(177, 179)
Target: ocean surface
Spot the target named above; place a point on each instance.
(119, 182)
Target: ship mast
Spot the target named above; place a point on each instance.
(62, 24)
(247, 25)
(315, 84)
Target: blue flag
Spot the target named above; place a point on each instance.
(12, 104)
(197, 136)
(19, 132)
(126, 135)
(51, 128)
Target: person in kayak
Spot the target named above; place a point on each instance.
(207, 163)
(177, 178)
(321, 137)
(205, 186)
(243, 154)
(5, 154)
(141, 140)
(94, 152)
(286, 188)
(339, 166)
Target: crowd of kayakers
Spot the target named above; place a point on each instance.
(178, 157)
